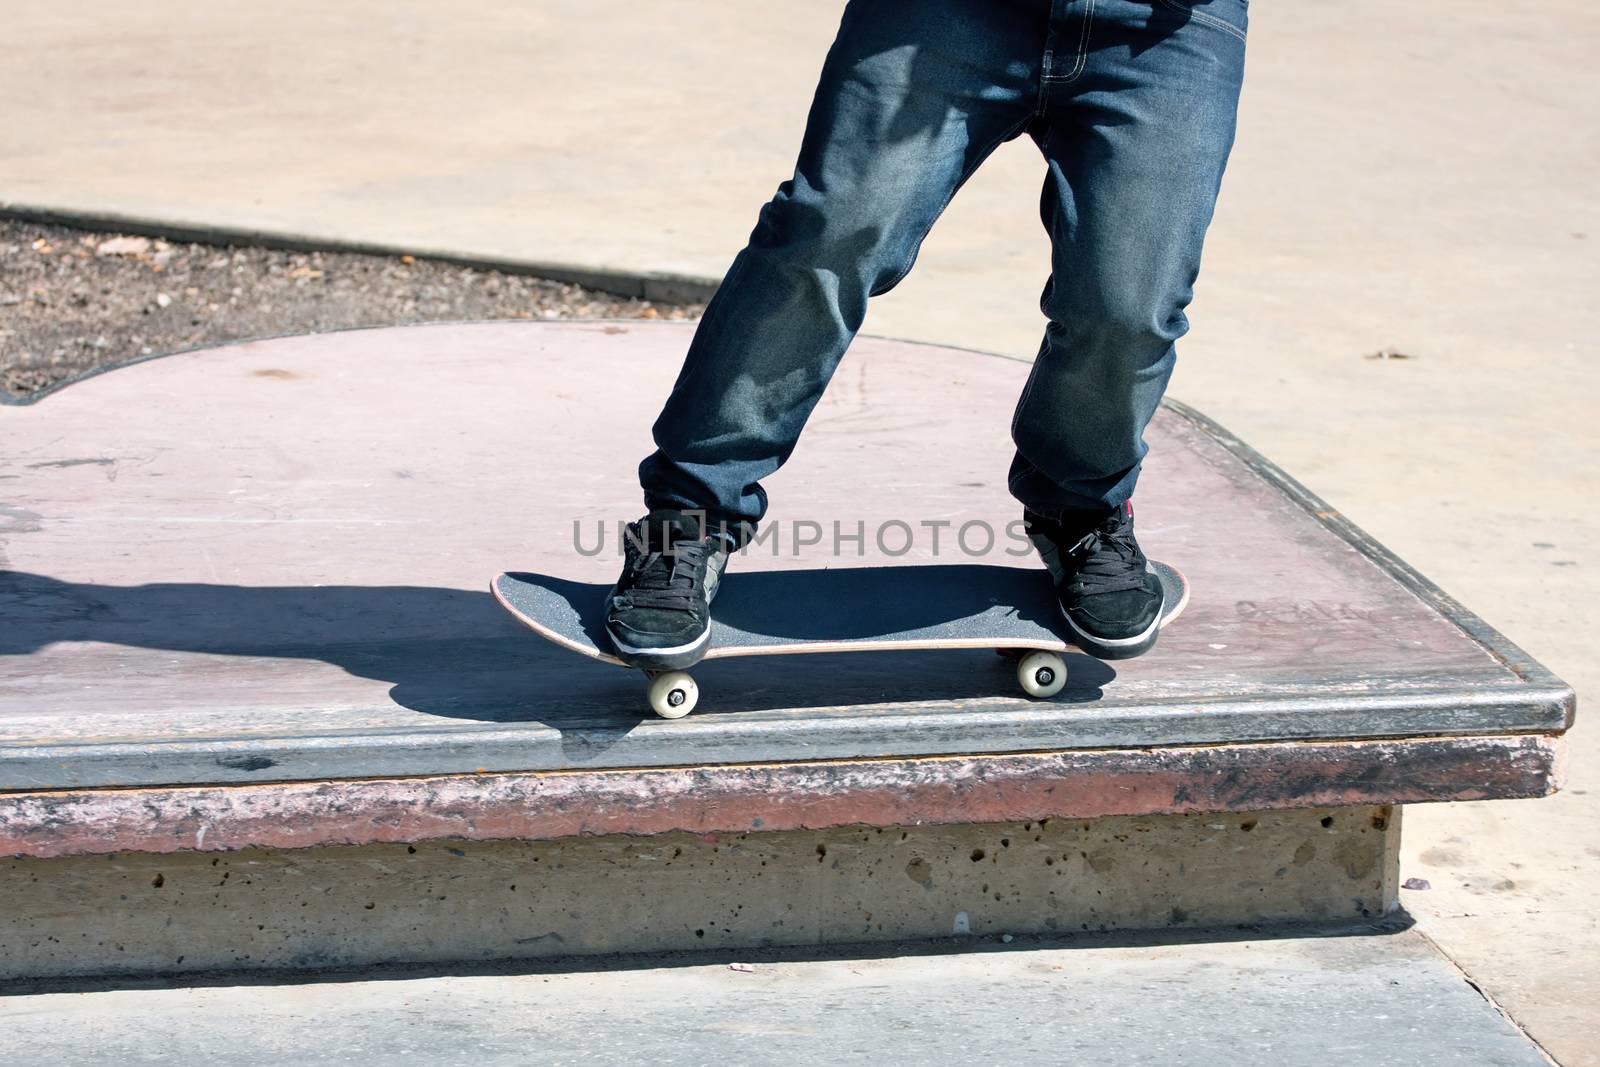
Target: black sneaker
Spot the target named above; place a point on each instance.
(659, 613)
(1108, 592)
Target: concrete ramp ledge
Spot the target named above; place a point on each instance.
(251, 678)
(795, 796)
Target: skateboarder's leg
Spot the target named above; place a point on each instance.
(913, 96)
(1136, 143)
(1136, 131)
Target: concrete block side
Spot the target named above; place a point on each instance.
(433, 902)
(1392, 816)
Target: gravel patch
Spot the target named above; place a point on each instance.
(72, 301)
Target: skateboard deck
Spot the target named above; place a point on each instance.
(843, 609)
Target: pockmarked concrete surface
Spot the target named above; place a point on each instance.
(441, 901)
(1380, 1001)
(1414, 177)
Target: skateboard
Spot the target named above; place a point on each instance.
(842, 609)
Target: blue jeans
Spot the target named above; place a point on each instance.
(1131, 102)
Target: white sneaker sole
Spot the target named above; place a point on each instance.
(676, 657)
(1115, 648)
(665, 652)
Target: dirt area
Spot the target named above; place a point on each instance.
(72, 301)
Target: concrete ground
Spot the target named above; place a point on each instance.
(1413, 177)
(1378, 1000)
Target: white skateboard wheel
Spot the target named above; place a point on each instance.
(673, 694)
(1042, 674)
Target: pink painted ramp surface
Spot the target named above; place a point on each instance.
(265, 562)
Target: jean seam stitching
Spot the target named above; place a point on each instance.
(1082, 59)
(1202, 17)
(1011, 483)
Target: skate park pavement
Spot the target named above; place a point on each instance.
(1037, 1002)
(1414, 181)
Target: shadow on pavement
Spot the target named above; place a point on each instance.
(1397, 923)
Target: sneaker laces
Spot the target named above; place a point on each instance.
(664, 576)
(1106, 560)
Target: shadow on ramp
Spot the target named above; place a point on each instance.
(456, 654)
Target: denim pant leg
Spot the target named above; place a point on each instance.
(913, 96)
(1136, 132)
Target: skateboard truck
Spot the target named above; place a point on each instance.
(1041, 674)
